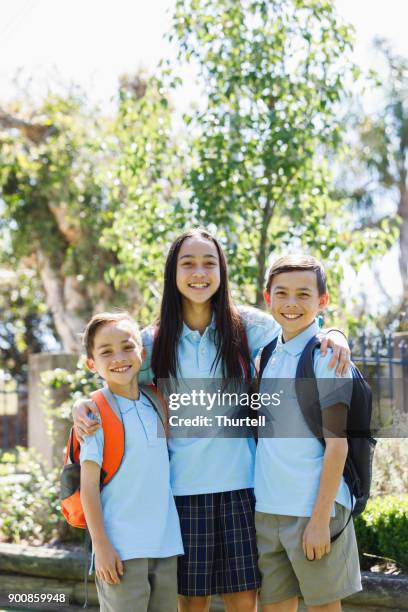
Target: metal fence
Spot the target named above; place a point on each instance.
(380, 356)
(384, 364)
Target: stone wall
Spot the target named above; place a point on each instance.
(26, 569)
(38, 438)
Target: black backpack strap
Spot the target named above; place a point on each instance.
(265, 356)
(71, 446)
(337, 535)
(307, 394)
(307, 391)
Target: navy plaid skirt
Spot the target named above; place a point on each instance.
(219, 540)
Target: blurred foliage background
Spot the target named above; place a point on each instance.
(278, 154)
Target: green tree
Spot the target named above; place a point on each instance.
(53, 209)
(274, 76)
(25, 325)
(146, 178)
(86, 201)
(378, 168)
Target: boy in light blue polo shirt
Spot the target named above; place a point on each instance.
(301, 496)
(133, 521)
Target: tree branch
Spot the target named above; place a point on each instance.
(35, 132)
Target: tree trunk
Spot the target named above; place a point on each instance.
(35, 132)
(262, 252)
(69, 300)
(65, 300)
(261, 264)
(71, 303)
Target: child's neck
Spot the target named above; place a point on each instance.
(130, 391)
(289, 335)
(197, 316)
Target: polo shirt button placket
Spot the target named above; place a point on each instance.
(200, 352)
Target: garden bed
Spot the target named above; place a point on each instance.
(40, 569)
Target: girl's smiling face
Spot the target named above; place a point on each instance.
(198, 269)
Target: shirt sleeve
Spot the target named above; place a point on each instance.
(92, 448)
(146, 375)
(261, 328)
(332, 389)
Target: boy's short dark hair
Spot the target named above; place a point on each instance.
(291, 263)
(99, 320)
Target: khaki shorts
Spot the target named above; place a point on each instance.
(147, 585)
(287, 573)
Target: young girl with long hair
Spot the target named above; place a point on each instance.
(201, 334)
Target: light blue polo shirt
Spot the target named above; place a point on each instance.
(211, 465)
(139, 512)
(287, 469)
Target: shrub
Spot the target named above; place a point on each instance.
(29, 505)
(62, 388)
(390, 467)
(8, 462)
(382, 529)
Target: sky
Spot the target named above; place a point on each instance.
(92, 42)
(89, 42)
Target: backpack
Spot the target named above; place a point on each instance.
(114, 448)
(358, 467)
(113, 451)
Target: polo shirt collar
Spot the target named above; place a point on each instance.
(297, 344)
(186, 331)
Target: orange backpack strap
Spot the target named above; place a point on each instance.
(113, 433)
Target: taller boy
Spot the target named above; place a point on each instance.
(301, 496)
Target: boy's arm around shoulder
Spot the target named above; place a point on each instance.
(146, 374)
(261, 328)
(340, 355)
(86, 417)
(333, 389)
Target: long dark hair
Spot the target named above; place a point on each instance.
(231, 339)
